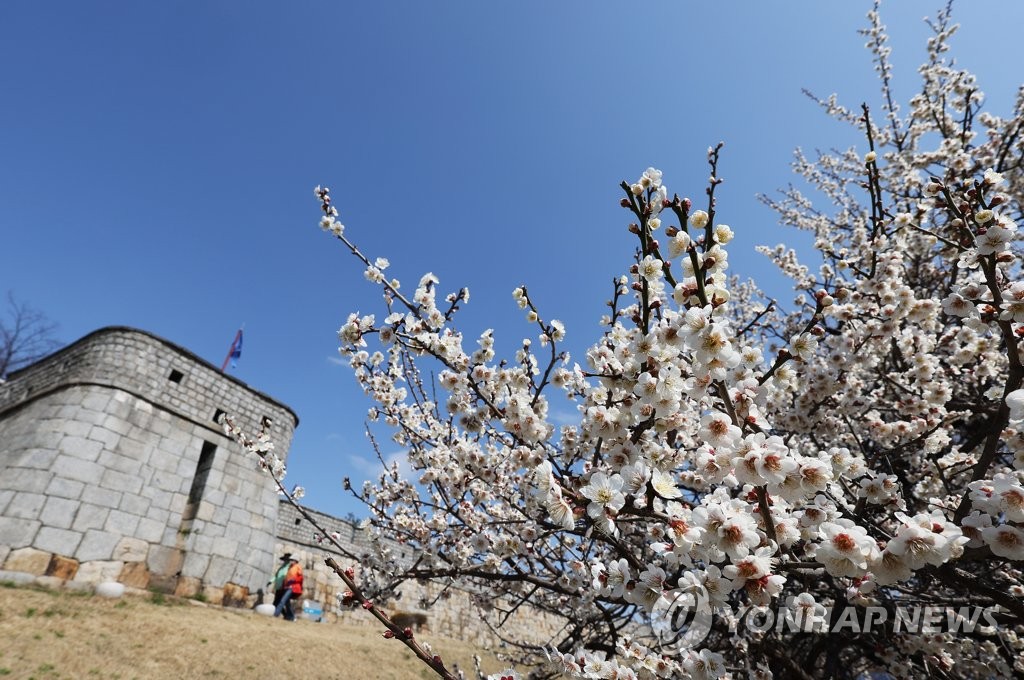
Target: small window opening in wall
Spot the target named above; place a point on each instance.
(175, 376)
(298, 521)
(217, 414)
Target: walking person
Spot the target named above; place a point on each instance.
(292, 590)
(278, 581)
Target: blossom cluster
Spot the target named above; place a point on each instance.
(863, 446)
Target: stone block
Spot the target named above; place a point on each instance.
(62, 567)
(26, 505)
(97, 401)
(106, 498)
(134, 504)
(213, 594)
(158, 499)
(18, 578)
(60, 541)
(116, 423)
(81, 448)
(188, 586)
(78, 586)
(16, 533)
(150, 530)
(65, 488)
(5, 550)
(119, 463)
(59, 512)
(242, 517)
(134, 447)
(235, 595)
(135, 575)
(38, 459)
(178, 503)
(205, 511)
(99, 571)
(165, 461)
(166, 481)
(221, 516)
(163, 560)
(118, 481)
(225, 547)
(214, 495)
(72, 426)
(90, 516)
(195, 565)
(49, 582)
(97, 545)
(85, 471)
(6, 496)
(25, 480)
(243, 536)
(28, 561)
(121, 523)
(108, 438)
(202, 544)
(220, 571)
(161, 424)
(130, 549)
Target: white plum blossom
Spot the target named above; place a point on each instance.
(604, 492)
(861, 442)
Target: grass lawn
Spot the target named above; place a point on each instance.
(57, 634)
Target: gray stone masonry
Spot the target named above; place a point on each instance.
(101, 445)
(457, 614)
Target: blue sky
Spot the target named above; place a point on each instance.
(157, 160)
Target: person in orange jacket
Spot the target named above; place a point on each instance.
(292, 590)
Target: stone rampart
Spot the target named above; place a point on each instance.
(112, 466)
(452, 611)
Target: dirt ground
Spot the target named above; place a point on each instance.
(56, 634)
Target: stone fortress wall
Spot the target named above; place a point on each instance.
(458, 613)
(113, 467)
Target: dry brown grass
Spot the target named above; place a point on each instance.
(51, 634)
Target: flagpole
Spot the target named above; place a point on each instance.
(231, 350)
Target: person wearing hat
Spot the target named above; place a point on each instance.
(292, 588)
(279, 576)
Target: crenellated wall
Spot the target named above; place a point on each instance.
(112, 467)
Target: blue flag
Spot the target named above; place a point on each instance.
(236, 352)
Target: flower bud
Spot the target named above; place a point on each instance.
(624, 203)
(671, 231)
